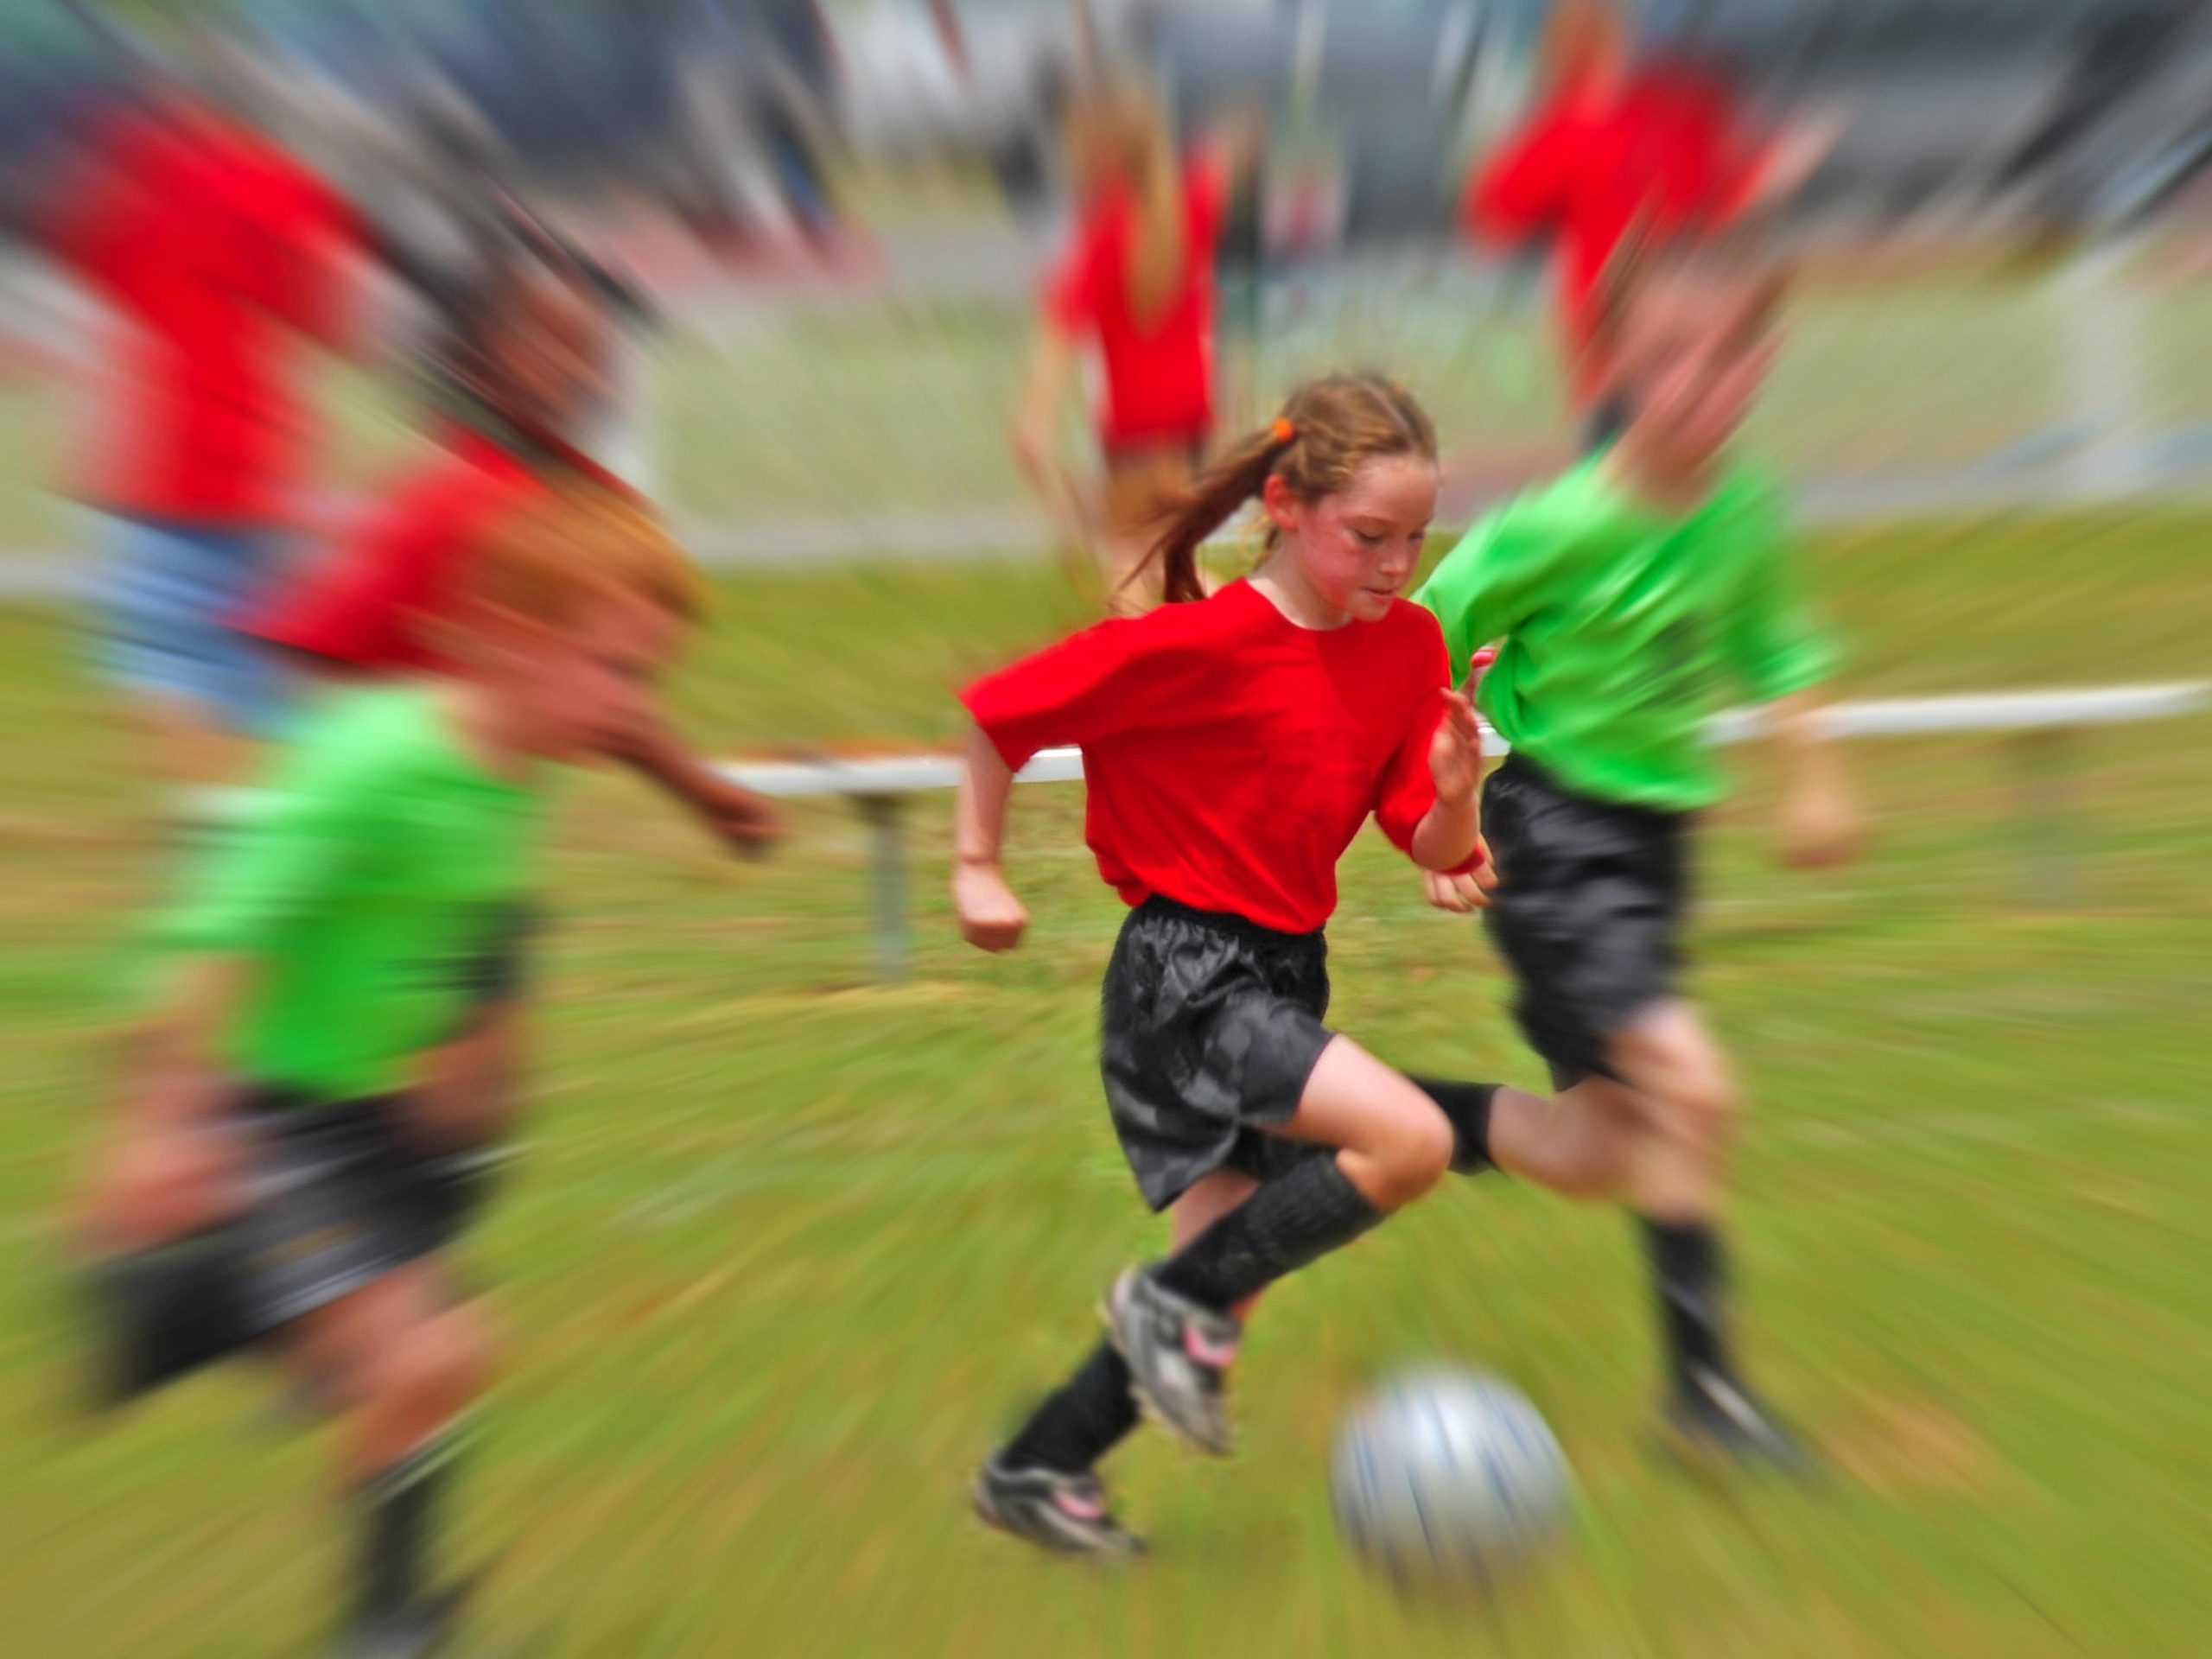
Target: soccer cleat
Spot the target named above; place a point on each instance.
(1178, 1356)
(1717, 1420)
(429, 1627)
(1065, 1514)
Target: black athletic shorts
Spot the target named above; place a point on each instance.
(336, 1197)
(1588, 913)
(1210, 1027)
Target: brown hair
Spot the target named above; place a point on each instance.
(1327, 428)
(586, 542)
(1121, 122)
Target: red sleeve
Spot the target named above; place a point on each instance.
(300, 273)
(95, 216)
(1120, 677)
(1719, 153)
(1408, 787)
(352, 607)
(362, 603)
(1522, 190)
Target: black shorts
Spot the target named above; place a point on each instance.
(336, 1197)
(1588, 913)
(1210, 1027)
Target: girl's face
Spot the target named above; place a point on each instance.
(1358, 549)
(550, 359)
(1693, 352)
(579, 690)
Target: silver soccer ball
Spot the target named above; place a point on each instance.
(1447, 1480)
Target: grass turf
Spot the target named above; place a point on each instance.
(787, 1250)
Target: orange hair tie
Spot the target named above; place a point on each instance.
(1284, 430)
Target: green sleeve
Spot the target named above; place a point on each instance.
(321, 817)
(1773, 646)
(1486, 587)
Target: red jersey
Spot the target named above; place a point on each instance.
(1667, 144)
(1159, 370)
(213, 247)
(1230, 754)
(363, 604)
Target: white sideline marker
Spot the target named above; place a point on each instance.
(877, 786)
(1989, 711)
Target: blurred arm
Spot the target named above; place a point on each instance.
(747, 821)
(1820, 825)
(168, 1169)
(1045, 382)
(176, 1080)
(991, 917)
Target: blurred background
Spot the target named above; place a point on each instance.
(765, 1270)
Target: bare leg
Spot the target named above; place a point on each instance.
(1679, 1078)
(1580, 1143)
(402, 1361)
(1392, 1143)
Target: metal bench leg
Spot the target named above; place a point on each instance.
(2050, 825)
(885, 815)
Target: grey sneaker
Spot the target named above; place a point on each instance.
(1065, 1514)
(1178, 1354)
(431, 1627)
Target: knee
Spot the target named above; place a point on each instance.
(1415, 1156)
(437, 1368)
(1701, 1109)
(1595, 1170)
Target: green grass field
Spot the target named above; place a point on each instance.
(786, 1251)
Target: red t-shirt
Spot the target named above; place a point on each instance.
(1159, 372)
(1668, 143)
(1231, 755)
(215, 249)
(364, 604)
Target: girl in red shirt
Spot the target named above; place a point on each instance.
(1136, 285)
(1233, 745)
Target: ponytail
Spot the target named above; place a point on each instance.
(1212, 501)
(1326, 430)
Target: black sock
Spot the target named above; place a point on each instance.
(398, 1518)
(1091, 1414)
(1689, 1271)
(1309, 1210)
(1467, 1104)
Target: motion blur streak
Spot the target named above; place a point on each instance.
(907, 318)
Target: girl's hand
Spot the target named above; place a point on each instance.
(991, 917)
(161, 1185)
(1819, 828)
(749, 824)
(1464, 893)
(1455, 754)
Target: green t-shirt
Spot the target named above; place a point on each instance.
(1622, 629)
(382, 866)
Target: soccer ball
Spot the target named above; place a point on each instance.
(1446, 1479)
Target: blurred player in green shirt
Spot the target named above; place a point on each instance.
(1631, 601)
(304, 1125)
